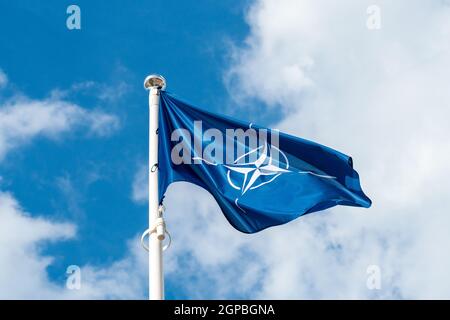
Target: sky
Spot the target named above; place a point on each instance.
(73, 145)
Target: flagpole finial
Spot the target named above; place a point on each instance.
(155, 81)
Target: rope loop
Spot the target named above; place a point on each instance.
(147, 232)
(159, 227)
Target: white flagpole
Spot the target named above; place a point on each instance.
(154, 83)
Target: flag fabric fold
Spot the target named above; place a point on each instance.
(259, 177)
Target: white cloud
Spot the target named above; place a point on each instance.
(3, 79)
(110, 93)
(123, 279)
(381, 96)
(23, 266)
(140, 185)
(22, 119)
(208, 259)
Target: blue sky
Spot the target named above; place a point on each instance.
(87, 180)
(73, 144)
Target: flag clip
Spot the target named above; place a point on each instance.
(159, 227)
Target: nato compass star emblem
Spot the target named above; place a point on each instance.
(252, 171)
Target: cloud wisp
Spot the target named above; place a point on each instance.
(22, 119)
(3, 79)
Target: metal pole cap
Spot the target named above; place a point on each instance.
(155, 81)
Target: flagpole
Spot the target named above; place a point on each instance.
(154, 83)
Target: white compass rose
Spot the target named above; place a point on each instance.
(264, 170)
(263, 166)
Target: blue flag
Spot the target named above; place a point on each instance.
(259, 177)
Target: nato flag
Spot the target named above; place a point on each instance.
(259, 177)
